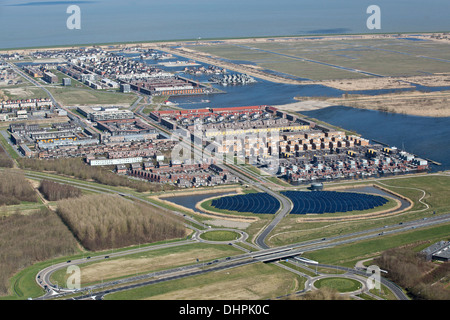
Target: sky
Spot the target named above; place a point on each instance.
(40, 23)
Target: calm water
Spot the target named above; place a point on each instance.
(42, 23)
(191, 200)
(426, 137)
(262, 92)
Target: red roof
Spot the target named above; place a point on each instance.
(237, 108)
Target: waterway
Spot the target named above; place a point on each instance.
(262, 92)
(427, 137)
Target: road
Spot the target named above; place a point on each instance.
(34, 82)
(246, 177)
(265, 254)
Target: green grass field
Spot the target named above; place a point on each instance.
(146, 262)
(436, 187)
(76, 96)
(387, 57)
(341, 285)
(219, 235)
(252, 282)
(348, 255)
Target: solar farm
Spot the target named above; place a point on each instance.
(316, 202)
(253, 202)
(332, 201)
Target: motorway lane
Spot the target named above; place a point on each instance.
(260, 240)
(43, 276)
(280, 253)
(99, 295)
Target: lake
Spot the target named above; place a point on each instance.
(25, 23)
(426, 137)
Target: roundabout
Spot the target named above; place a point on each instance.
(221, 236)
(345, 284)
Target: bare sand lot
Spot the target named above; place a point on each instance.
(307, 105)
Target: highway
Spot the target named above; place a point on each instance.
(265, 254)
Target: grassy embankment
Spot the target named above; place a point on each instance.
(253, 282)
(292, 229)
(147, 262)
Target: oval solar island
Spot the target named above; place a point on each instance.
(304, 202)
(259, 203)
(320, 202)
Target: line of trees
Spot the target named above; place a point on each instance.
(5, 160)
(54, 191)
(410, 270)
(14, 188)
(108, 221)
(76, 167)
(26, 239)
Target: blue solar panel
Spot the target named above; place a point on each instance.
(252, 202)
(332, 201)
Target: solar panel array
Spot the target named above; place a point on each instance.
(332, 201)
(252, 202)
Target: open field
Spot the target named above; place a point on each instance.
(147, 262)
(76, 97)
(365, 63)
(432, 188)
(253, 282)
(22, 92)
(348, 255)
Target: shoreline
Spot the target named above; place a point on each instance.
(416, 103)
(167, 41)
